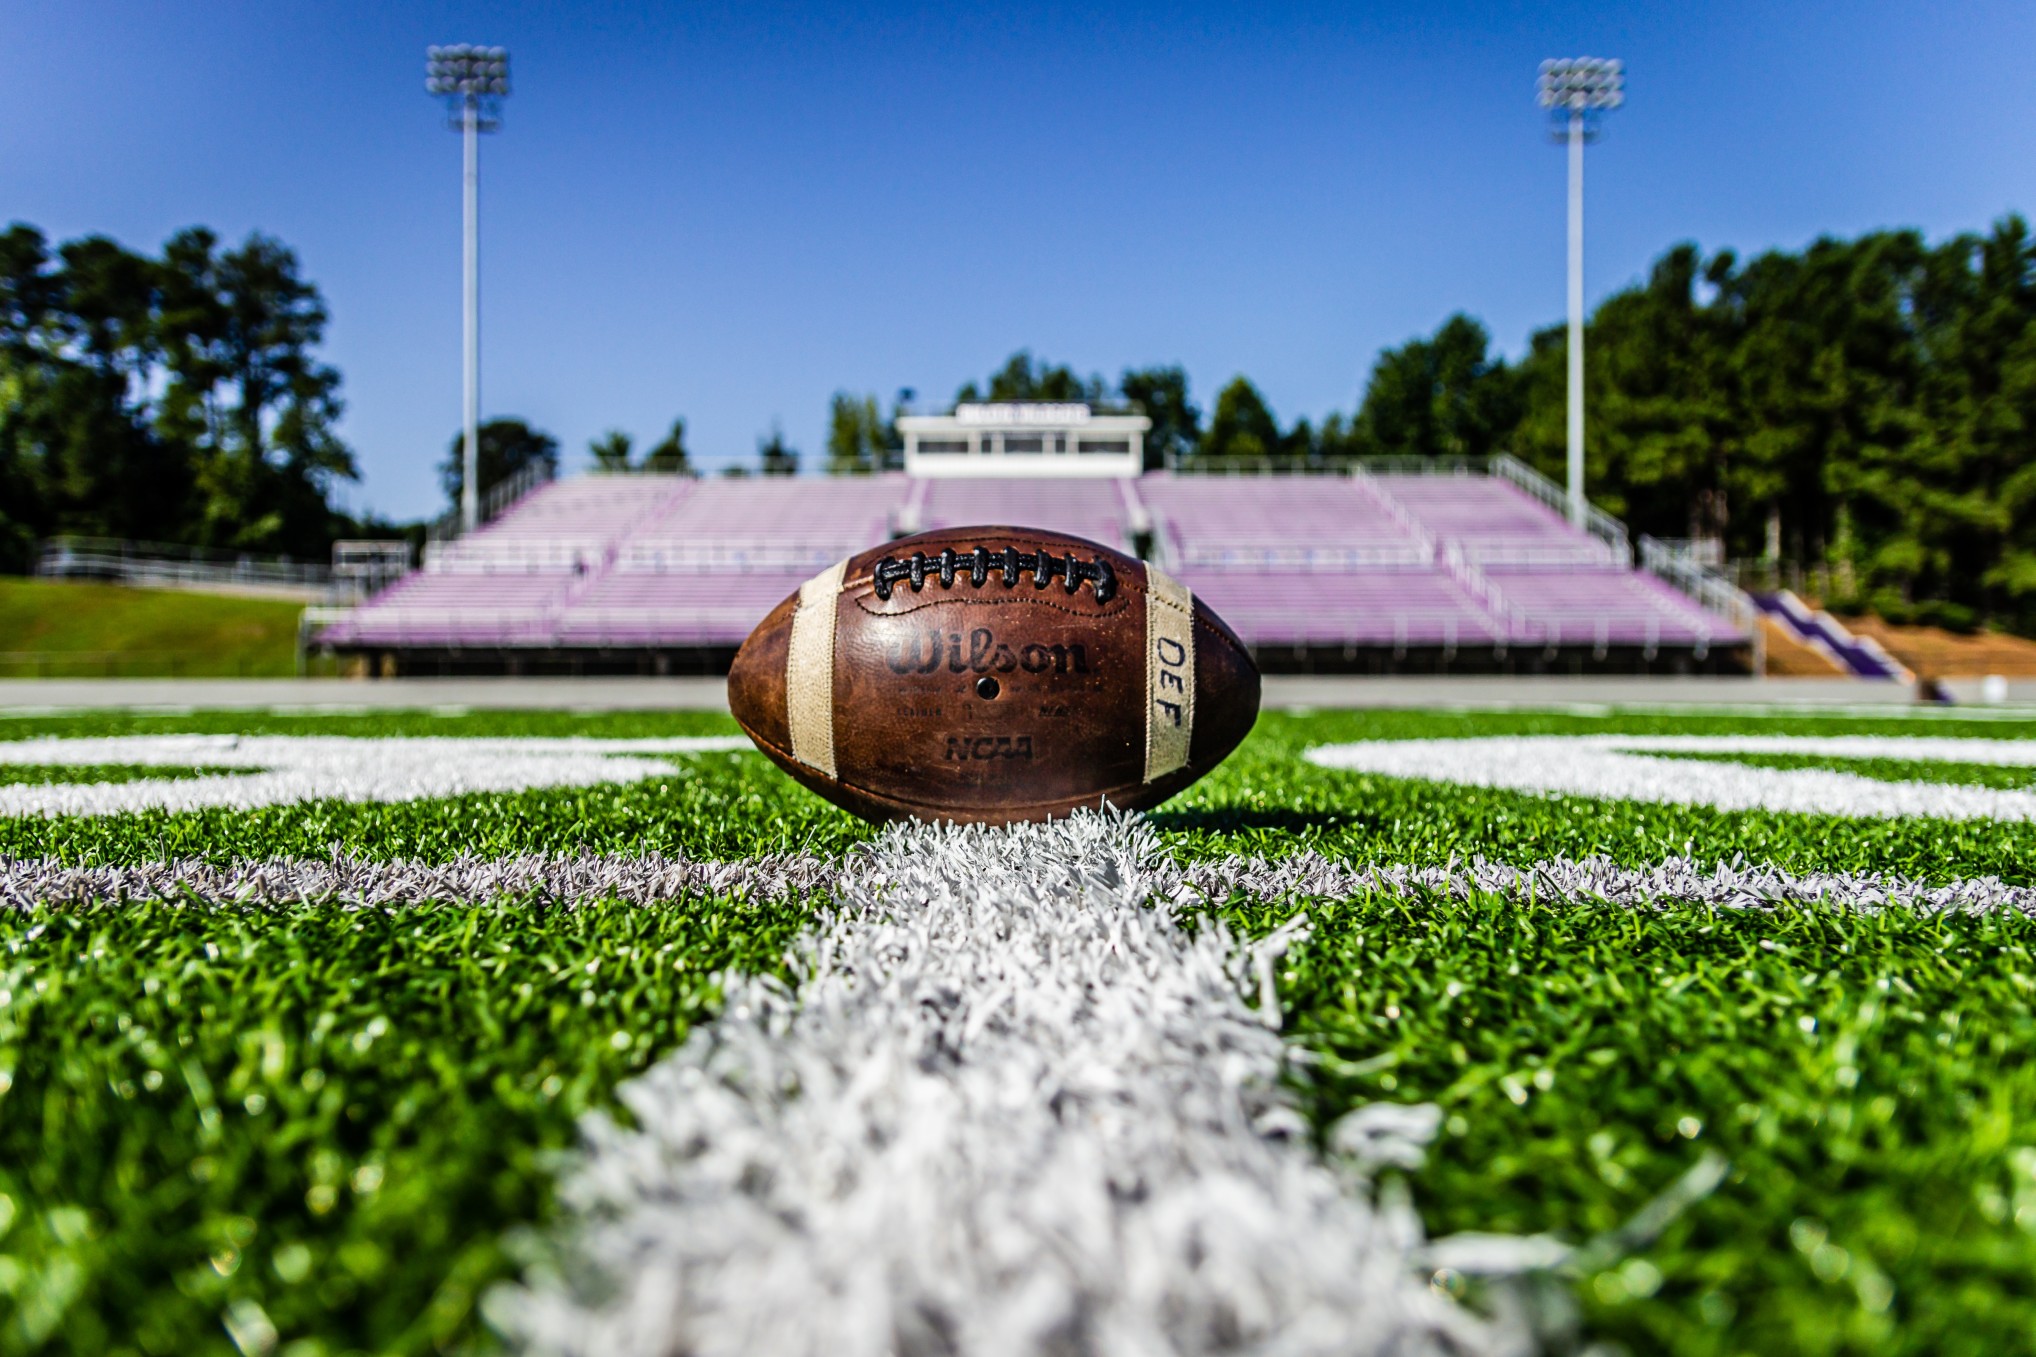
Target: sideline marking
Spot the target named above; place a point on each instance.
(288, 768)
(1617, 767)
(655, 877)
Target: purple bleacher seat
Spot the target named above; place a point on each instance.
(853, 510)
(1276, 521)
(565, 527)
(618, 561)
(454, 609)
(1607, 606)
(1311, 561)
(718, 609)
(1419, 607)
(1490, 519)
(1095, 509)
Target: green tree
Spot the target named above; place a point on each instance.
(857, 438)
(1662, 433)
(238, 328)
(175, 398)
(1445, 396)
(1161, 395)
(1944, 517)
(507, 448)
(1023, 379)
(77, 454)
(1242, 428)
(611, 451)
(775, 456)
(667, 456)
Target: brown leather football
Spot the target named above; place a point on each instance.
(990, 675)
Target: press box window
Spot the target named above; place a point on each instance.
(1021, 442)
(1102, 445)
(943, 445)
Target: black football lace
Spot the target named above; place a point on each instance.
(977, 566)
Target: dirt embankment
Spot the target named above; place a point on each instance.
(1932, 652)
(1789, 658)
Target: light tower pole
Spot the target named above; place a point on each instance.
(473, 82)
(1577, 91)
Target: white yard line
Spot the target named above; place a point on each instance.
(1675, 880)
(1618, 766)
(567, 879)
(291, 768)
(354, 882)
(1007, 1106)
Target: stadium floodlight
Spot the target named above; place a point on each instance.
(473, 81)
(1578, 91)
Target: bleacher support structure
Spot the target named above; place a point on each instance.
(1395, 570)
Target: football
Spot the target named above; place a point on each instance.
(991, 675)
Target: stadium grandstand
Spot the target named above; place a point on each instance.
(1399, 569)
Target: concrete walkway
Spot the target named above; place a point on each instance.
(27, 696)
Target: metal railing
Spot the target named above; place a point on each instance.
(1819, 580)
(1278, 464)
(1597, 522)
(1709, 587)
(1394, 509)
(361, 569)
(168, 565)
(494, 500)
(1397, 463)
(1480, 587)
(1689, 574)
(1261, 558)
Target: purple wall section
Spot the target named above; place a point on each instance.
(1370, 561)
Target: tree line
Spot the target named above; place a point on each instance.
(861, 440)
(171, 397)
(1865, 404)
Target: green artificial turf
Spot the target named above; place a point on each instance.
(66, 629)
(314, 1122)
(47, 774)
(1264, 800)
(1862, 1074)
(1865, 1076)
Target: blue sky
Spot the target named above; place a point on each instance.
(731, 211)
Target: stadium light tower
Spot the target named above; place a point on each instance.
(473, 82)
(1578, 91)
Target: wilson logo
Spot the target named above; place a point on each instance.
(983, 653)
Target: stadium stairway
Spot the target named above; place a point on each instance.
(1859, 656)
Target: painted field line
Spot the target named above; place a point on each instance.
(565, 879)
(1007, 1106)
(282, 769)
(358, 883)
(1619, 767)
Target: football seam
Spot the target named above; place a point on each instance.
(1106, 610)
(1125, 591)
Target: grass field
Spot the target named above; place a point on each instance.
(242, 1119)
(71, 629)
